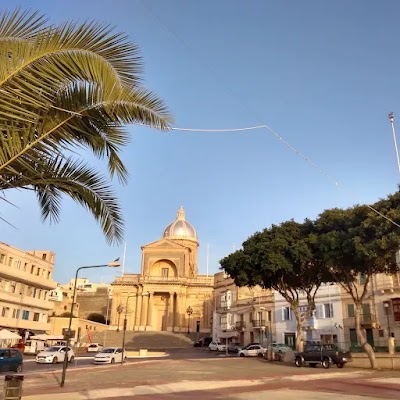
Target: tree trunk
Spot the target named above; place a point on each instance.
(362, 337)
(299, 335)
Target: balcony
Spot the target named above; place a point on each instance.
(26, 301)
(26, 277)
(134, 279)
(258, 323)
(240, 325)
(368, 321)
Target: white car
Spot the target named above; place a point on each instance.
(109, 355)
(94, 348)
(216, 346)
(280, 348)
(252, 351)
(54, 355)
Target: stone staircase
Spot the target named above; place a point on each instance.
(149, 340)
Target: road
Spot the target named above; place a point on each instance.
(210, 376)
(30, 366)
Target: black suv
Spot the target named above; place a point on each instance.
(326, 354)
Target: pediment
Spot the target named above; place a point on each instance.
(164, 244)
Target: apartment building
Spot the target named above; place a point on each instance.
(326, 323)
(25, 282)
(62, 301)
(380, 316)
(242, 314)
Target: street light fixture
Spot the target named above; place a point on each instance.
(124, 327)
(386, 304)
(189, 312)
(112, 264)
(119, 311)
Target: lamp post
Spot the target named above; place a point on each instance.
(387, 305)
(189, 312)
(109, 296)
(119, 311)
(124, 327)
(112, 264)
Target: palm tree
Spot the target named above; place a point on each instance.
(63, 88)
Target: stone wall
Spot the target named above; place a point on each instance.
(93, 302)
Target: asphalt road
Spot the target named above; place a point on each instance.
(30, 365)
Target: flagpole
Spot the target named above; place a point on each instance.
(123, 261)
(391, 119)
(208, 256)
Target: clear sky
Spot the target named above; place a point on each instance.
(323, 74)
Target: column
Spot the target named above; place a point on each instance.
(138, 310)
(149, 326)
(177, 322)
(170, 312)
(143, 318)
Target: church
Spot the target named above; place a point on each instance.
(168, 294)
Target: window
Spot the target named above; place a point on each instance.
(18, 264)
(13, 287)
(36, 316)
(164, 272)
(25, 315)
(25, 266)
(2, 258)
(350, 310)
(286, 314)
(363, 279)
(48, 275)
(5, 311)
(381, 333)
(15, 314)
(38, 272)
(324, 310)
(269, 316)
(10, 261)
(44, 256)
(32, 269)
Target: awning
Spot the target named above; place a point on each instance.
(5, 334)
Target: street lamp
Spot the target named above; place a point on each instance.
(119, 311)
(189, 312)
(124, 327)
(260, 325)
(386, 304)
(112, 264)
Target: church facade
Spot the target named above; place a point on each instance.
(168, 294)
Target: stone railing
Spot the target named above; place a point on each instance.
(135, 279)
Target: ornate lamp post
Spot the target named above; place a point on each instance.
(119, 311)
(112, 264)
(189, 312)
(387, 305)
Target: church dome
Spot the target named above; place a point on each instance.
(180, 228)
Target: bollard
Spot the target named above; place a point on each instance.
(13, 387)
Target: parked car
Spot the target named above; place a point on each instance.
(324, 354)
(110, 355)
(234, 347)
(216, 346)
(54, 355)
(10, 360)
(205, 341)
(34, 346)
(94, 348)
(255, 350)
(280, 348)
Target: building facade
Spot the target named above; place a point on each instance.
(325, 325)
(380, 316)
(168, 294)
(25, 283)
(242, 314)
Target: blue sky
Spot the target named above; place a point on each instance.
(324, 75)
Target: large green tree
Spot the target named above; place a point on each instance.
(285, 258)
(361, 241)
(64, 88)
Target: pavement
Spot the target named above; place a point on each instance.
(211, 378)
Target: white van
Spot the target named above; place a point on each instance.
(34, 346)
